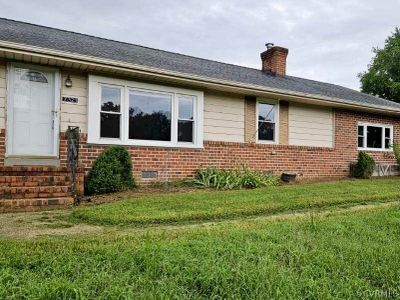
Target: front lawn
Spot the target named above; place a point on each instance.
(219, 205)
(314, 257)
(329, 251)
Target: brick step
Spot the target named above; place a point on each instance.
(35, 171)
(19, 205)
(34, 192)
(19, 171)
(31, 181)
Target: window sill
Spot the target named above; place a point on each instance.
(267, 142)
(145, 144)
(374, 149)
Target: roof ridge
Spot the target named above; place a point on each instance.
(127, 43)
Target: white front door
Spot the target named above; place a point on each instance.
(32, 112)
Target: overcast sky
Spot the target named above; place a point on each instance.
(328, 40)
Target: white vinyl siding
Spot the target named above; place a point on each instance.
(310, 126)
(3, 84)
(223, 118)
(74, 114)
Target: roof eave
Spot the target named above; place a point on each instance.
(231, 85)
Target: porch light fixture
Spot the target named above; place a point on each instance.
(68, 82)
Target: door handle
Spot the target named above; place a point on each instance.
(55, 113)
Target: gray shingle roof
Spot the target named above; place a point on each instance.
(56, 39)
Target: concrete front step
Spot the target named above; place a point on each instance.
(34, 192)
(21, 205)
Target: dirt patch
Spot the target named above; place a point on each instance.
(30, 225)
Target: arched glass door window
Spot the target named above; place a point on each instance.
(34, 76)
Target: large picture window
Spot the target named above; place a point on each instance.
(149, 116)
(266, 117)
(132, 113)
(374, 136)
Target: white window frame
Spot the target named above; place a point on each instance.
(383, 126)
(276, 134)
(94, 104)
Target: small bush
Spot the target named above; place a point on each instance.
(111, 172)
(364, 167)
(396, 152)
(122, 155)
(234, 179)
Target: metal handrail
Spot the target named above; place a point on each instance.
(73, 157)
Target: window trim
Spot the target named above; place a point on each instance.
(276, 104)
(383, 126)
(94, 104)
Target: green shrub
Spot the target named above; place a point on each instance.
(111, 172)
(239, 178)
(122, 155)
(396, 152)
(364, 167)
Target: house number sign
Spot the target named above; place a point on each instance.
(73, 100)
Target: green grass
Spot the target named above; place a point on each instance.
(317, 256)
(339, 256)
(212, 205)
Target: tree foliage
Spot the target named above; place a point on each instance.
(383, 75)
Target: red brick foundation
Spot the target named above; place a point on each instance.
(308, 162)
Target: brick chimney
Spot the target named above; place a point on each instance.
(274, 59)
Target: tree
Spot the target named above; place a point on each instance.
(383, 76)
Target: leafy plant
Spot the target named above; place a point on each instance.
(396, 152)
(122, 155)
(238, 178)
(111, 172)
(364, 167)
